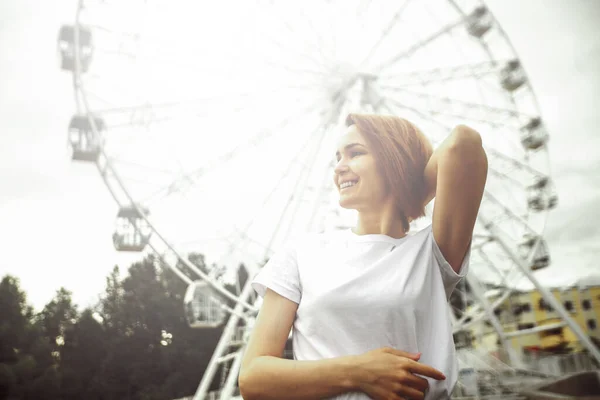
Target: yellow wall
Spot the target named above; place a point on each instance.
(540, 317)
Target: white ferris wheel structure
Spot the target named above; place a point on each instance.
(213, 130)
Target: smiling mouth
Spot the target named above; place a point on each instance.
(347, 185)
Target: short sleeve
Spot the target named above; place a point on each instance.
(280, 274)
(449, 276)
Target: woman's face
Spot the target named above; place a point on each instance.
(359, 183)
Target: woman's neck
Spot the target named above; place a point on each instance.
(384, 221)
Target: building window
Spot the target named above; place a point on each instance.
(542, 305)
(517, 310)
(525, 326)
(526, 307)
(592, 324)
(586, 304)
(569, 305)
(551, 332)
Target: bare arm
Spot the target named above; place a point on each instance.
(296, 380)
(265, 375)
(456, 174)
(384, 373)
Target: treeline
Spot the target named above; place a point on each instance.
(134, 344)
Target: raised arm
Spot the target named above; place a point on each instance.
(456, 174)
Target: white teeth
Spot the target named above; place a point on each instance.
(347, 184)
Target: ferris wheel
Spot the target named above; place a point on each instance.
(213, 129)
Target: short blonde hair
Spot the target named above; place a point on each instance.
(401, 153)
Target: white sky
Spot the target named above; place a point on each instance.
(56, 218)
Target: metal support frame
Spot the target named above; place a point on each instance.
(479, 294)
(546, 294)
(228, 332)
(230, 383)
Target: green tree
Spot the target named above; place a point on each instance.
(57, 316)
(15, 316)
(85, 346)
(28, 368)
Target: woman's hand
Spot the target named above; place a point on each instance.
(387, 373)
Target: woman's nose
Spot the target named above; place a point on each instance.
(340, 167)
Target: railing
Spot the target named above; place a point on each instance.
(560, 364)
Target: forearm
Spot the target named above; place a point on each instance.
(458, 137)
(431, 176)
(277, 378)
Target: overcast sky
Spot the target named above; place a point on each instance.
(56, 218)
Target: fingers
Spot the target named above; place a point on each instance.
(416, 367)
(400, 353)
(426, 370)
(384, 394)
(416, 382)
(411, 393)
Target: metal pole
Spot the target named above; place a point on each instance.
(213, 364)
(227, 390)
(546, 294)
(478, 292)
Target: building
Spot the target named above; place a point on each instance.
(526, 309)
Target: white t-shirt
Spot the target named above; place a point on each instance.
(357, 293)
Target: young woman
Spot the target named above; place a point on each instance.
(368, 305)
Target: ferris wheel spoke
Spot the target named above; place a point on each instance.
(311, 76)
(323, 61)
(239, 238)
(241, 233)
(419, 46)
(316, 75)
(115, 42)
(510, 164)
(191, 177)
(442, 74)
(148, 114)
(320, 42)
(502, 275)
(393, 106)
(508, 212)
(303, 185)
(386, 31)
(286, 48)
(221, 100)
(442, 102)
(118, 36)
(506, 177)
(147, 170)
(118, 53)
(99, 99)
(445, 107)
(480, 239)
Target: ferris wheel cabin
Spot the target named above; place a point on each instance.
(203, 306)
(541, 259)
(85, 145)
(534, 134)
(132, 232)
(66, 47)
(479, 22)
(541, 195)
(512, 76)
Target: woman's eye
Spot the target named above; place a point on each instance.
(355, 153)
